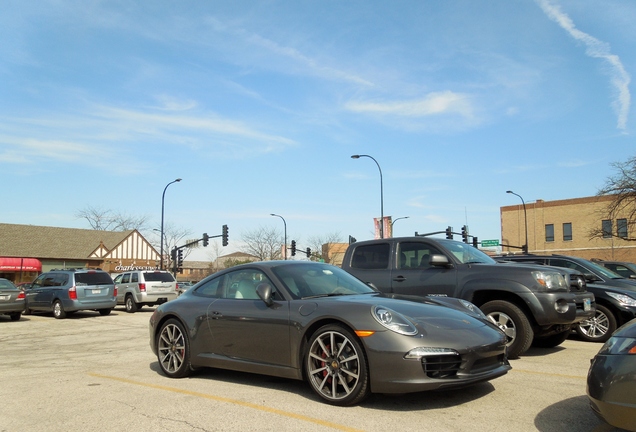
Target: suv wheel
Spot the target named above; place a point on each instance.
(513, 322)
(599, 328)
(58, 310)
(131, 305)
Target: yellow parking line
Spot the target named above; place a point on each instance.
(235, 402)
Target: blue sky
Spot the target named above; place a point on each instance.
(258, 107)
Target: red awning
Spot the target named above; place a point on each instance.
(20, 264)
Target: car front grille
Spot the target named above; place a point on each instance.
(441, 366)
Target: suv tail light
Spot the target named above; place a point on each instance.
(142, 287)
(72, 293)
(115, 291)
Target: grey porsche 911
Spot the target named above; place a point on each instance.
(315, 322)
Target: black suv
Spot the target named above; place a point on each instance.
(615, 295)
(66, 291)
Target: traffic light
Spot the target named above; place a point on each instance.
(465, 234)
(475, 242)
(449, 233)
(293, 247)
(308, 252)
(180, 258)
(173, 255)
(225, 235)
(206, 239)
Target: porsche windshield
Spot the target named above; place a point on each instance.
(319, 280)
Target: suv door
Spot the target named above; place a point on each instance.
(415, 275)
(371, 262)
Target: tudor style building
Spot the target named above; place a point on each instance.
(27, 250)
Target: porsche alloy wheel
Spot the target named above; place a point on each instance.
(336, 366)
(173, 349)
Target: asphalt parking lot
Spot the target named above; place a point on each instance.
(97, 372)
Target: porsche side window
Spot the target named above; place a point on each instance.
(212, 288)
(242, 284)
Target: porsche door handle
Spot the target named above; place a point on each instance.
(399, 279)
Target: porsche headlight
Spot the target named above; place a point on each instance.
(393, 320)
(473, 309)
(551, 281)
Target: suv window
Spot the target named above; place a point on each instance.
(92, 278)
(158, 277)
(416, 255)
(374, 256)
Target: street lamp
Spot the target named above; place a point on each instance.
(381, 192)
(163, 197)
(397, 219)
(525, 217)
(285, 224)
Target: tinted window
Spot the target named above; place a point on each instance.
(374, 256)
(416, 255)
(567, 231)
(211, 288)
(607, 228)
(93, 278)
(621, 228)
(158, 277)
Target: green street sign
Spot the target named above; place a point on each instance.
(489, 243)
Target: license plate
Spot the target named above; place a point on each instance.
(97, 291)
(4, 297)
(587, 305)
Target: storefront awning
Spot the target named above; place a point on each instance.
(20, 264)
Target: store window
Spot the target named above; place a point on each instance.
(549, 232)
(621, 228)
(567, 231)
(607, 228)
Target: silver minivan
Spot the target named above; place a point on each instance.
(139, 288)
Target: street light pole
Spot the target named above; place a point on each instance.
(163, 197)
(381, 192)
(285, 224)
(525, 217)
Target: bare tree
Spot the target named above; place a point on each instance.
(109, 220)
(316, 244)
(264, 243)
(622, 188)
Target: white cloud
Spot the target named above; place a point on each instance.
(437, 103)
(595, 48)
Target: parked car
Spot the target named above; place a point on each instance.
(611, 380)
(312, 321)
(615, 295)
(625, 269)
(533, 305)
(11, 300)
(66, 291)
(139, 288)
(183, 287)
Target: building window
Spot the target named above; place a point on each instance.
(549, 232)
(621, 228)
(567, 231)
(607, 228)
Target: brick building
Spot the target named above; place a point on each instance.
(564, 226)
